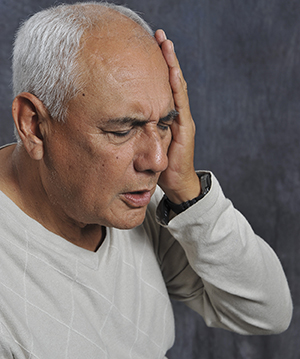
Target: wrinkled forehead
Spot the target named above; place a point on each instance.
(124, 72)
(117, 45)
(122, 58)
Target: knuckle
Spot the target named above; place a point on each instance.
(184, 84)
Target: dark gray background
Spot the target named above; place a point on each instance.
(241, 62)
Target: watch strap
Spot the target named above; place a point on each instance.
(205, 180)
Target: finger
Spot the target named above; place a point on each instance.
(179, 88)
(167, 48)
(160, 36)
(177, 81)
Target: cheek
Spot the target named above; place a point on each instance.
(108, 168)
(90, 163)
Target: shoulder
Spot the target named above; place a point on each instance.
(6, 168)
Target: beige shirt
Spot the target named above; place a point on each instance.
(58, 300)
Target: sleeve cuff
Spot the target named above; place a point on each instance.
(164, 213)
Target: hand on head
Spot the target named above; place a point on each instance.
(179, 181)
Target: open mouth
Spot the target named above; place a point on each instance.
(137, 198)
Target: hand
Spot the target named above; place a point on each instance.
(179, 181)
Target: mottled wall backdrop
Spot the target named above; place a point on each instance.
(241, 61)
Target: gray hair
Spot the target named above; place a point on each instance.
(46, 51)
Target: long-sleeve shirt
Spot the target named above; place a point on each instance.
(58, 300)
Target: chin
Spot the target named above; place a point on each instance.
(129, 221)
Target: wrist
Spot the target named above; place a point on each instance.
(187, 189)
(204, 180)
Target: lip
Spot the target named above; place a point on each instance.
(137, 199)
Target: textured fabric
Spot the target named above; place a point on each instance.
(242, 287)
(61, 301)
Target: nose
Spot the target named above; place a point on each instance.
(151, 155)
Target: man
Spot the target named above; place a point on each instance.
(91, 251)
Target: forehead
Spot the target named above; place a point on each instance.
(125, 64)
(120, 49)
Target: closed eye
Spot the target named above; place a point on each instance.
(166, 122)
(163, 126)
(120, 133)
(120, 136)
(130, 125)
(126, 122)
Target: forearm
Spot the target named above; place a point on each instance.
(244, 287)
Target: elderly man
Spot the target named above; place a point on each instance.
(91, 248)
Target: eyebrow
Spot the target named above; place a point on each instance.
(170, 116)
(137, 122)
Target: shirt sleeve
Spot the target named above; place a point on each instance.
(213, 261)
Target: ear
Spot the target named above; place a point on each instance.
(29, 115)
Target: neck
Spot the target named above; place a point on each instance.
(21, 182)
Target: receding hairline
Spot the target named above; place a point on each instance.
(110, 25)
(121, 30)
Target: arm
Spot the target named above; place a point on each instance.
(222, 270)
(231, 276)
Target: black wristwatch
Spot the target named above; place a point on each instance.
(205, 180)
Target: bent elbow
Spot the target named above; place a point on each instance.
(275, 320)
(282, 318)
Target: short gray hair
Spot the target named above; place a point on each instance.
(46, 51)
